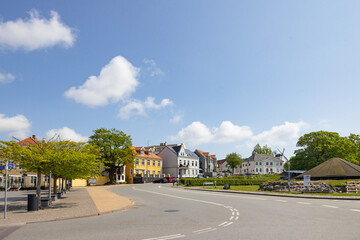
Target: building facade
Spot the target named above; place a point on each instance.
(262, 164)
(179, 162)
(207, 162)
(146, 164)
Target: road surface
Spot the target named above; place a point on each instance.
(162, 212)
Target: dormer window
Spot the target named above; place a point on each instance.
(142, 151)
(150, 152)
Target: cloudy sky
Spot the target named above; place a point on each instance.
(220, 76)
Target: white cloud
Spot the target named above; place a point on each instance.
(17, 126)
(194, 134)
(65, 133)
(6, 78)
(176, 118)
(279, 135)
(197, 133)
(117, 81)
(152, 68)
(136, 107)
(35, 32)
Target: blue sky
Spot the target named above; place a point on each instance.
(220, 76)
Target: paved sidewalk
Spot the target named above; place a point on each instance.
(79, 202)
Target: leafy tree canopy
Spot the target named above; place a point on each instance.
(318, 147)
(262, 150)
(115, 148)
(233, 160)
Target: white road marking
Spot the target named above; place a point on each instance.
(329, 206)
(306, 203)
(231, 210)
(236, 218)
(233, 213)
(166, 237)
(231, 218)
(281, 200)
(355, 210)
(228, 224)
(205, 229)
(237, 213)
(222, 223)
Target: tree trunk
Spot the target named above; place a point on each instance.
(38, 187)
(62, 185)
(112, 173)
(55, 187)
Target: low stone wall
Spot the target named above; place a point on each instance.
(296, 187)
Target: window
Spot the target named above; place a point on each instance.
(137, 171)
(33, 180)
(256, 170)
(143, 162)
(193, 172)
(148, 162)
(267, 163)
(131, 172)
(159, 163)
(256, 163)
(192, 163)
(271, 163)
(137, 162)
(196, 163)
(122, 177)
(159, 172)
(280, 164)
(148, 172)
(154, 163)
(180, 161)
(260, 163)
(260, 170)
(154, 172)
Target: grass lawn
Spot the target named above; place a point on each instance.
(254, 188)
(251, 188)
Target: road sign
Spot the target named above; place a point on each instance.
(307, 180)
(2, 167)
(10, 165)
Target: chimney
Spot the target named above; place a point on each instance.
(34, 137)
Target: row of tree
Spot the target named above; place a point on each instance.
(106, 149)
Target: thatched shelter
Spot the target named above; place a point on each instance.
(334, 168)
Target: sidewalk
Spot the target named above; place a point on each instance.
(79, 202)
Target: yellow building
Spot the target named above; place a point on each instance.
(146, 164)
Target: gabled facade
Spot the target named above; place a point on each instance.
(207, 162)
(262, 164)
(179, 162)
(146, 164)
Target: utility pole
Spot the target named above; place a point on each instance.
(6, 186)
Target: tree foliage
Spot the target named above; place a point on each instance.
(233, 160)
(115, 148)
(262, 150)
(318, 147)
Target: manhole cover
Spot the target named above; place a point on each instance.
(171, 210)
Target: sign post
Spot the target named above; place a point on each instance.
(6, 186)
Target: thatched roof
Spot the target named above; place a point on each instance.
(334, 168)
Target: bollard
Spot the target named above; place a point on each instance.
(32, 203)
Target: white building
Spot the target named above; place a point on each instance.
(179, 161)
(262, 164)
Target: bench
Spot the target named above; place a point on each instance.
(208, 183)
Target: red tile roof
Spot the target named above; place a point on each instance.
(28, 141)
(205, 154)
(146, 153)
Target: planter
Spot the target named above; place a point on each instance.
(45, 203)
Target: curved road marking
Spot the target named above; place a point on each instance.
(222, 224)
(166, 237)
(328, 206)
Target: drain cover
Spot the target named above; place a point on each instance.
(171, 210)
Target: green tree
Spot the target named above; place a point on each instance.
(262, 150)
(233, 160)
(115, 148)
(317, 147)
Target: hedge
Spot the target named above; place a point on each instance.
(221, 181)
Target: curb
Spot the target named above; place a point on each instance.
(278, 194)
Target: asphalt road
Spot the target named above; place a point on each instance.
(162, 212)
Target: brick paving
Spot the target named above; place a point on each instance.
(79, 202)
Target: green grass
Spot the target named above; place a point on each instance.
(251, 188)
(254, 188)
